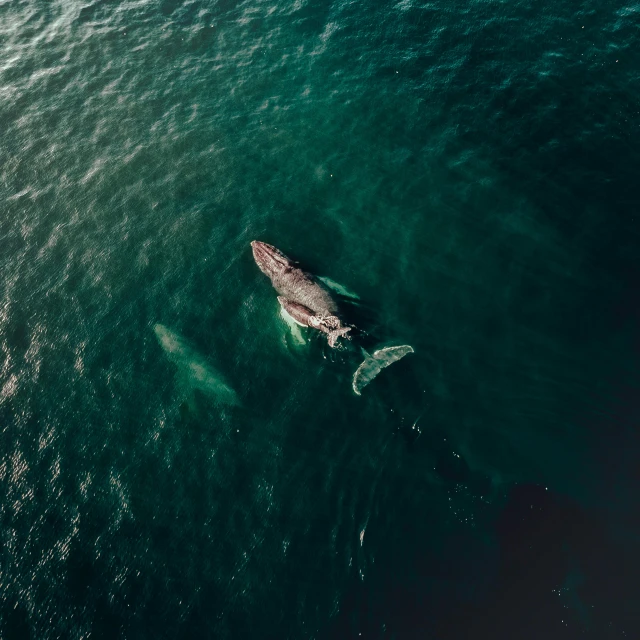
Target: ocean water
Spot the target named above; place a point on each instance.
(175, 462)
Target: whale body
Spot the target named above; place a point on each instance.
(302, 296)
(305, 301)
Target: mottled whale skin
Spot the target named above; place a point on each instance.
(301, 295)
(301, 315)
(306, 318)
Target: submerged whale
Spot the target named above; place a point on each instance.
(302, 296)
(305, 299)
(194, 370)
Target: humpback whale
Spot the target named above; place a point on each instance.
(302, 296)
(194, 370)
(308, 302)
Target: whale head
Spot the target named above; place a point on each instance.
(270, 260)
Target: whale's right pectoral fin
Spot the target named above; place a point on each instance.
(338, 288)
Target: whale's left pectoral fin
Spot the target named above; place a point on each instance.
(294, 327)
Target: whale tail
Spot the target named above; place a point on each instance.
(374, 364)
(334, 334)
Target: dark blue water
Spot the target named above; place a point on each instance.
(176, 462)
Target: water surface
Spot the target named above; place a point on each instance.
(469, 170)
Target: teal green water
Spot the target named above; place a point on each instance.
(469, 170)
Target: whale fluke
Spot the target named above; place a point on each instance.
(375, 363)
